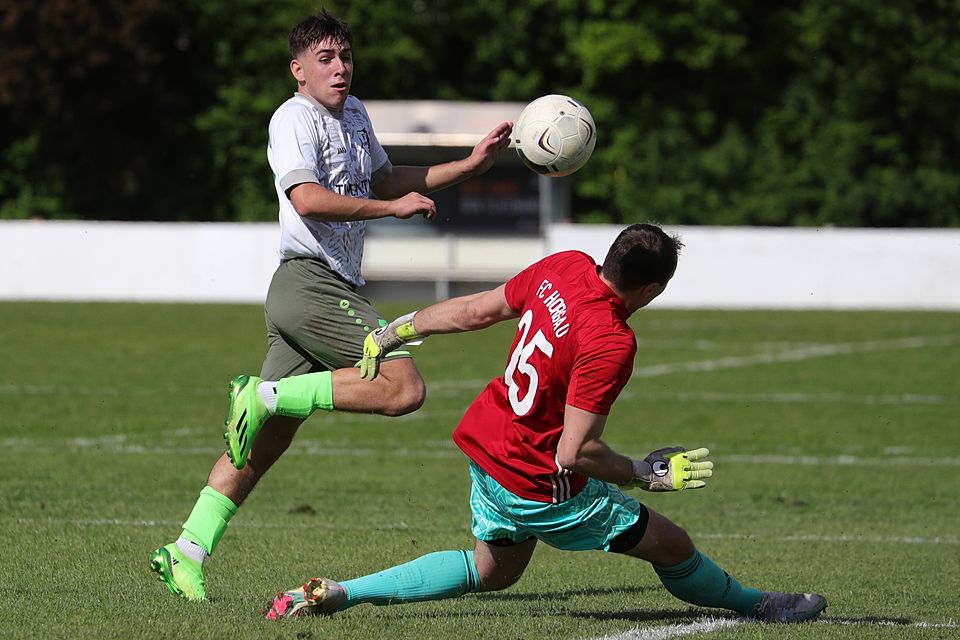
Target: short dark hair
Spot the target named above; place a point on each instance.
(315, 29)
(642, 254)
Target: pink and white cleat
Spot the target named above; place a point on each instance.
(318, 597)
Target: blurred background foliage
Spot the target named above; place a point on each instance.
(739, 112)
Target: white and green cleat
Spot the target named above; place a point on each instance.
(245, 418)
(182, 575)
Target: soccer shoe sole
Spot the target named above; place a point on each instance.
(161, 563)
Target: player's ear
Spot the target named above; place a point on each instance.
(297, 70)
(649, 292)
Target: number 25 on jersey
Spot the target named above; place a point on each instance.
(520, 365)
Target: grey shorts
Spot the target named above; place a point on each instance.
(315, 320)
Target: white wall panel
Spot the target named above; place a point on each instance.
(720, 267)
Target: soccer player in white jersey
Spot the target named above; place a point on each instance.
(327, 164)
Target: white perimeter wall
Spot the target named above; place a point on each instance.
(720, 267)
(746, 267)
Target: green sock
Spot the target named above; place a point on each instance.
(209, 519)
(699, 581)
(300, 396)
(435, 576)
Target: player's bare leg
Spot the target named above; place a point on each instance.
(398, 389)
(179, 565)
(663, 543)
(274, 439)
(255, 441)
(501, 566)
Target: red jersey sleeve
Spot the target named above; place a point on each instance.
(516, 288)
(600, 373)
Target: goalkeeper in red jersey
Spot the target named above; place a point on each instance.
(540, 469)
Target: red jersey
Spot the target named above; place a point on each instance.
(573, 346)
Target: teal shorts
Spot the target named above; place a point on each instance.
(592, 519)
(315, 320)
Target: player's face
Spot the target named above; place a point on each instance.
(324, 72)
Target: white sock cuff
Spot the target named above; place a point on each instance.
(267, 390)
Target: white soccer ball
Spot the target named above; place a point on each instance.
(555, 135)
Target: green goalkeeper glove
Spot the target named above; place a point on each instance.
(672, 469)
(379, 343)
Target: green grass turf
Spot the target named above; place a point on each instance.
(112, 415)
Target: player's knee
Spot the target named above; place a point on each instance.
(680, 544)
(500, 563)
(402, 389)
(675, 545)
(663, 542)
(406, 397)
(497, 581)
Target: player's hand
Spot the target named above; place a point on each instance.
(489, 149)
(414, 204)
(672, 469)
(379, 343)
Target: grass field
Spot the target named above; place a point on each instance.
(836, 438)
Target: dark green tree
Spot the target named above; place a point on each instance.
(709, 111)
(96, 108)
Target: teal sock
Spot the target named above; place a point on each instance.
(299, 396)
(698, 580)
(435, 576)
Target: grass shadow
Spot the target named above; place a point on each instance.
(882, 621)
(656, 615)
(567, 595)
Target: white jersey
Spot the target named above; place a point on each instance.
(338, 151)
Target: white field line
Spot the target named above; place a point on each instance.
(324, 524)
(769, 356)
(800, 353)
(709, 624)
(853, 622)
(697, 627)
(840, 461)
(314, 524)
(469, 388)
(914, 540)
(791, 397)
(11, 389)
(121, 443)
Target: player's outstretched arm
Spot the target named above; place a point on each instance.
(456, 315)
(406, 179)
(582, 450)
(311, 200)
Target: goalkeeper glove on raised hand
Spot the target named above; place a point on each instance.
(672, 469)
(388, 338)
